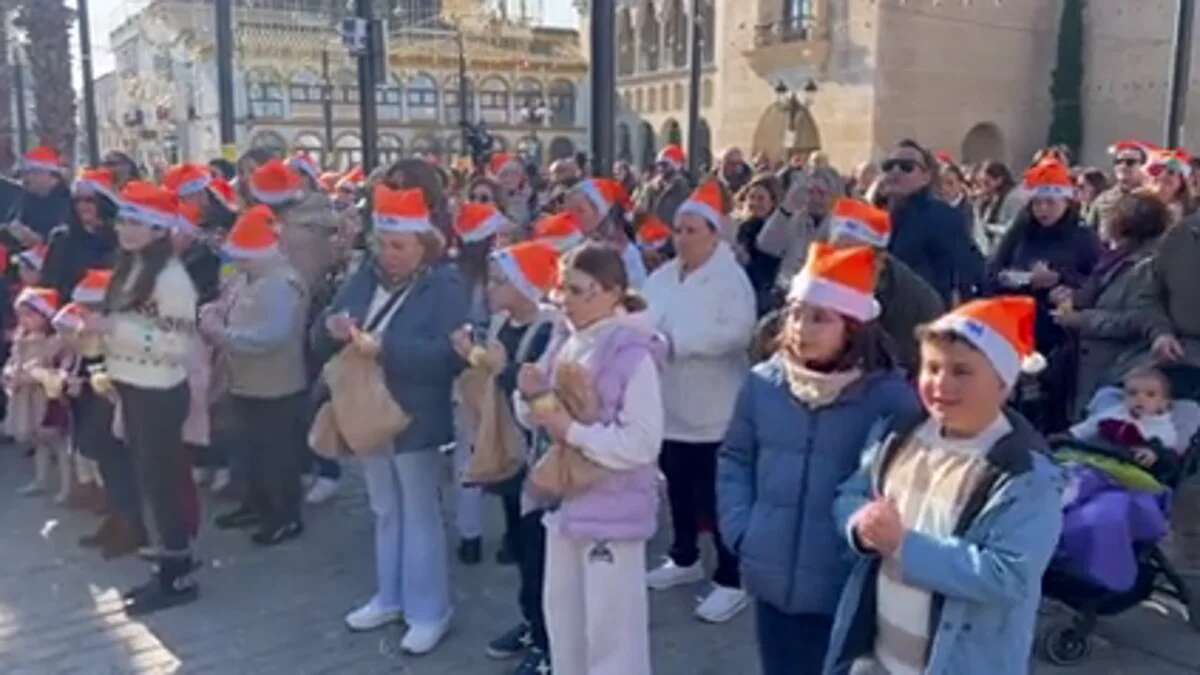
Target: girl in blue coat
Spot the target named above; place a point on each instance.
(798, 429)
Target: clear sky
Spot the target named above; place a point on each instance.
(107, 14)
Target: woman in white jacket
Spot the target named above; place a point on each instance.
(704, 304)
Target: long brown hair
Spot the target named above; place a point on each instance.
(868, 348)
(148, 263)
(602, 262)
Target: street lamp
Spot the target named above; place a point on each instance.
(535, 114)
(787, 100)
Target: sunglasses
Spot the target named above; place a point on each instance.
(1127, 161)
(904, 165)
(481, 198)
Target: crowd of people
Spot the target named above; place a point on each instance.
(847, 380)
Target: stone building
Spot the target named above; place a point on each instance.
(526, 81)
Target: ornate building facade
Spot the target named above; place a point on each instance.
(525, 82)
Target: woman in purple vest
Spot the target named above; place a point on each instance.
(595, 585)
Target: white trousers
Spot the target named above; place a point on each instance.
(597, 612)
(411, 566)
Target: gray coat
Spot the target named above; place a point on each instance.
(1170, 293)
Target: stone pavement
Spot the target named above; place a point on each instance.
(280, 610)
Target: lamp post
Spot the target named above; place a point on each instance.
(535, 115)
(791, 104)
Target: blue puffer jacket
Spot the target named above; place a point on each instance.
(777, 475)
(418, 361)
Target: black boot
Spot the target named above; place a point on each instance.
(271, 535)
(241, 517)
(470, 551)
(174, 587)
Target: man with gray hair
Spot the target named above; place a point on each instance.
(801, 218)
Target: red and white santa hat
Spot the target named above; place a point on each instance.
(604, 194)
(673, 155)
(275, 183)
(560, 230)
(190, 216)
(42, 158)
(1140, 146)
(186, 180)
(353, 180)
(70, 319)
(224, 192)
(42, 300)
(500, 161)
(400, 210)
(653, 233)
(305, 164)
(531, 267)
(841, 279)
(35, 257)
(476, 222)
(149, 205)
(707, 202)
(254, 235)
(1002, 328)
(859, 222)
(96, 182)
(92, 288)
(1049, 178)
(1177, 161)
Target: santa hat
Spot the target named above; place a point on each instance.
(149, 205)
(328, 181)
(1001, 328)
(400, 210)
(305, 164)
(69, 319)
(42, 158)
(96, 182)
(42, 300)
(34, 257)
(92, 287)
(604, 193)
(275, 183)
(1177, 161)
(186, 180)
(841, 279)
(673, 155)
(653, 233)
(223, 191)
(501, 161)
(1049, 178)
(189, 217)
(354, 179)
(531, 267)
(477, 222)
(1140, 146)
(254, 235)
(706, 201)
(560, 230)
(860, 222)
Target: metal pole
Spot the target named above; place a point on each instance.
(693, 143)
(327, 108)
(224, 12)
(19, 84)
(462, 95)
(366, 91)
(604, 85)
(1181, 66)
(89, 87)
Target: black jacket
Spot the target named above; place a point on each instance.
(74, 250)
(930, 236)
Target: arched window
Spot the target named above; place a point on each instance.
(389, 100)
(626, 45)
(677, 34)
(672, 135)
(624, 143)
(708, 31)
(391, 148)
(347, 152)
(797, 19)
(426, 146)
(493, 101)
(562, 103)
(264, 93)
(450, 97)
(270, 140)
(422, 95)
(528, 95)
(649, 146)
(561, 148)
(649, 40)
(305, 87)
(310, 142)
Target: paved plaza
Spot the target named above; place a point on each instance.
(280, 610)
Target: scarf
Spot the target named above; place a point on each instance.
(813, 388)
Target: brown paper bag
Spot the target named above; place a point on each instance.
(366, 415)
(499, 450)
(324, 437)
(564, 471)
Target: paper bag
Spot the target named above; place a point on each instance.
(366, 415)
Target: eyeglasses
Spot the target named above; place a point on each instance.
(481, 198)
(904, 165)
(1127, 161)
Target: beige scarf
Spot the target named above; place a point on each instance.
(813, 388)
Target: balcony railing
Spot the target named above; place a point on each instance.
(795, 28)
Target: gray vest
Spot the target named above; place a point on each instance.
(279, 372)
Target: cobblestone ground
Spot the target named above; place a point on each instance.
(279, 610)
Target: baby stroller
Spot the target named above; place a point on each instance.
(1147, 508)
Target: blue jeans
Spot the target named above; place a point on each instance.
(791, 644)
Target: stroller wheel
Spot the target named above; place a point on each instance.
(1065, 645)
(1193, 611)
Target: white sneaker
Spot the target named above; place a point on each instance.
(35, 487)
(220, 481)
(321, 491)
(722, 604)
(370, 616)
(200, 475)
(422, 637)
(670, 575)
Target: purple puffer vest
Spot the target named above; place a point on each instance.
(623, 506)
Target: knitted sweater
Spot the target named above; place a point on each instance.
(148, 346)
